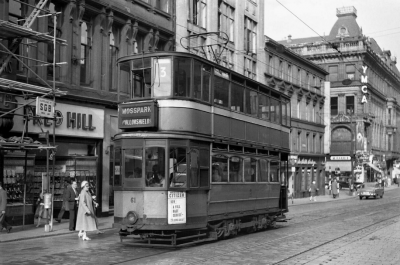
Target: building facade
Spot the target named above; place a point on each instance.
(364, 98)
(96, 34)
(305, 83)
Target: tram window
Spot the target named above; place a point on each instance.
(221, 91)
(204, 167)
(206, 82)
(283, 171)
(141, 83)
(202, 79)
(235, 169)
(194, 167)
(251, 98)
(197, 79)
(275, 110)
(117, 167)
(177, 167)
(182, 78)
(263, 170)
(155, 167)
(133, 163)
(219, 168)
(250, 170)
(263, 107)
(274, 171)
(284, 115)
(237, 97)
(124, 77)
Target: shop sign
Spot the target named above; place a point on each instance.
(44, 107)
(364, 81)
(340, 158)
(306, 161)
(71, 120)
(176, 207)
(293, 159)
(137, 115)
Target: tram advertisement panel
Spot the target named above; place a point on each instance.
(176, 207)
(137, 115)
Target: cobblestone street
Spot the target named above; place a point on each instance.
(346, 231)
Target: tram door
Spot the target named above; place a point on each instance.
(283, 197)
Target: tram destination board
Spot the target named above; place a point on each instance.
(137, 115)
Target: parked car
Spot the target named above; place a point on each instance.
(371, 189)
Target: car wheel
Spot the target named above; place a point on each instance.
(375, 197)
(360, 197)
(367, 197)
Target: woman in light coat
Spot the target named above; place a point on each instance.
(86, 220)
(335, 189)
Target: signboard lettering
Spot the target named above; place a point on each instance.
(44, 107)
(340, 158)
(137, 115)
(176, 207)
(364, 80)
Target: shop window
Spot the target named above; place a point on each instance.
(221, 88)
(237, 100)
(274, 171)
(263, 107)
(219, 168)
(182, 80)
(177, 167)
(250, 170)
(251, 98)
(334, 105)
(155, 167)
(262, 170)
(235, 169)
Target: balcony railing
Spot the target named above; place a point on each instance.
(324, 48)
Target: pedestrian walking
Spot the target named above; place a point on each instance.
(73, 199)
(330, 186)
(86, 220)
(65, 204)
(313, 191)
(3, 206)
(335, 189)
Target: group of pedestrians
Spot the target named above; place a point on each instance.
(79, 204)
(334, 186)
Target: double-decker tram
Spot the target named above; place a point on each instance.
(203, 152)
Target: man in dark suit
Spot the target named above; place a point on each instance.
(3, 205)
(72, 197)
(65, 204)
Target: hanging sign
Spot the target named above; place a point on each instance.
(44, 107)
(364, 81)
(176, 207)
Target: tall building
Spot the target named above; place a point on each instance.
(238, 33)
(91, 35)
(304, 82)
(364, 97)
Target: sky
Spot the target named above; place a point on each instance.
(379, 19)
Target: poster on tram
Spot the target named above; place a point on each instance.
(176, 207)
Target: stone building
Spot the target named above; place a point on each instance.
(364, 97)
(92, 35)
(304, 82)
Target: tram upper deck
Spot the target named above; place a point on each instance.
(172, 92)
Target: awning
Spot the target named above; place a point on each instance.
(343, 165)
(374, 167)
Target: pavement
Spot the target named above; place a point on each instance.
(106, 223)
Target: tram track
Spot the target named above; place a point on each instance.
(338, 217)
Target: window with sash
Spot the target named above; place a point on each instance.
(226, 19)
(250, 35)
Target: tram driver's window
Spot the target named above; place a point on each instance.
(235, 169)
(262, 170)
(274, 171)
(221, 88)
(219, 168)
(177, 167)
(141, 78)
(155, 167)
(133, 163)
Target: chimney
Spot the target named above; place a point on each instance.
(289, 38)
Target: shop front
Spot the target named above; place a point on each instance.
(304, 170)
(79, 133)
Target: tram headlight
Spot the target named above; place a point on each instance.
(132, 217)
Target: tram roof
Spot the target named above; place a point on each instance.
(184, 54)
